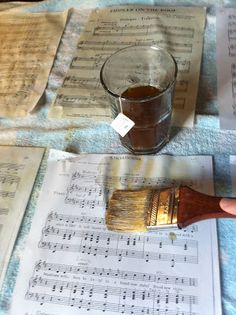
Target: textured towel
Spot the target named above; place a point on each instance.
(78, 136)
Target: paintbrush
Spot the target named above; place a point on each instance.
(148, 209)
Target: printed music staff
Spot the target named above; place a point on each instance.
(179, 31)
(76, 265)
(225, 53)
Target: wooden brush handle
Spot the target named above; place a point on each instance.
(195, 206)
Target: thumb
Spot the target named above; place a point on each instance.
(228, 205)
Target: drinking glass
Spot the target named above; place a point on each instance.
(140, 81)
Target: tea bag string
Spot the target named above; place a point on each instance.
(120, 104)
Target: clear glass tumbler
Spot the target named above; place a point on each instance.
(140, 81)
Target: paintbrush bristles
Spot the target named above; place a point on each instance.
(128, 210)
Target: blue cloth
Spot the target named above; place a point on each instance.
(78, 136)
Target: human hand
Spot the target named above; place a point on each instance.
(228, 205)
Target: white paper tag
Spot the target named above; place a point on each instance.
(122, 124)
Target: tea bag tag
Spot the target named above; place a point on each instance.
(122, 124)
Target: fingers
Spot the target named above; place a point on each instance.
(228, 205)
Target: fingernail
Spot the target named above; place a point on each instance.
(227, 203)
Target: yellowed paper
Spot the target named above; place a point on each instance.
(18, 169)
(179, 29)
(28, 45)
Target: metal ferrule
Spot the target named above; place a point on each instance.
(164, 207)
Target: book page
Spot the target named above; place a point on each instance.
(226, 66)
(73, 265)
(29, 44)
(178, 29)
(18, 169)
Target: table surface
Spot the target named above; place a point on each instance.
(78, 136)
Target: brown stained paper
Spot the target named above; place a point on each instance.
(28, 45)
(178, 29)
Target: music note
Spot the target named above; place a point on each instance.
(83, 266)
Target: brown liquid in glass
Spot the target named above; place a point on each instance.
(151, 115)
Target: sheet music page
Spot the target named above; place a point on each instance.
(73, 265)
(226, 66)
(233, 173)
(179, 29)
(29, 44)
(18, 169)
